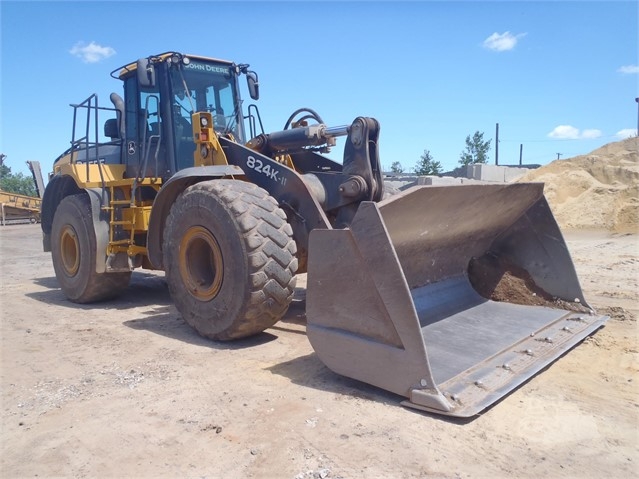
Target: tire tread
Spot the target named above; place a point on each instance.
(270, 249)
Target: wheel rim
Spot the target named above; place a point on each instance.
(201, 265)
(69, 250)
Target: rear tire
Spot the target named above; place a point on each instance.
(229, 258)
(73, 251)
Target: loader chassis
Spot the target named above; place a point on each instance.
(187, 184)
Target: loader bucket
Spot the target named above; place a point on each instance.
(391, 301)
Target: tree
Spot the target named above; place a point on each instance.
(17, 183)
(476, 150)
(427, 166)
(397, 167)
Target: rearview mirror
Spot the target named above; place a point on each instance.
(253, 85)
(146, 73)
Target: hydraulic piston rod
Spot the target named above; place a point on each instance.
(313, 135)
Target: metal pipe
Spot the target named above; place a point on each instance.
(313, 135)
(336, 130)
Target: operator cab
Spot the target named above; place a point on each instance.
(161, 93)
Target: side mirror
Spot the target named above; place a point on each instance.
(146, 73)
(253, 85)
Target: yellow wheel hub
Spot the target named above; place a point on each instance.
(201, 265)
(69, 250)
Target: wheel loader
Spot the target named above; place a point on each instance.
(402, 289)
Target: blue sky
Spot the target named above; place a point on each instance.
(558, 77)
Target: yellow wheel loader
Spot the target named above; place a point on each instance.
(425, 293)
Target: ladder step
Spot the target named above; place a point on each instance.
(120, 202)
(120, 242)
(122, 223)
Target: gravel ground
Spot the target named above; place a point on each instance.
(127, 389)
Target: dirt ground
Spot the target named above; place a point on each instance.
(127, 389)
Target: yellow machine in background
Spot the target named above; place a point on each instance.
(19, 208)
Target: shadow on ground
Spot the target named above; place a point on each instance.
(171, 325)
(150, 291)
(308, 371)
(144, 289)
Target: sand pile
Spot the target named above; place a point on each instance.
(599, 190)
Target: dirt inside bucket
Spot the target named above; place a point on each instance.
(499, 280)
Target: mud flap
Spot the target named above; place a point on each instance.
(99, 200)
(390, 302)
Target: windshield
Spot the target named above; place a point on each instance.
(206, 86)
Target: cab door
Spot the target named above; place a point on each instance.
(145, 147)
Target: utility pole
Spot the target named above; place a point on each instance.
(637, 100)
(559, 154)
(521, 150)
(497, 143)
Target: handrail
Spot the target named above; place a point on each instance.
(85, 142)
(251, 120)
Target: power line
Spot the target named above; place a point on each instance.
(559, 139)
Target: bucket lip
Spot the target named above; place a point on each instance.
(484, 384)
(486, 186)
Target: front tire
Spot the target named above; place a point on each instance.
(73, 251)
(229, 258)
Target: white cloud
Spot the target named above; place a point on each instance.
(91, 53)
(501, 42)
(626, 133)
(568, 132)
(629, 69)
(564, 132)
(590, 134)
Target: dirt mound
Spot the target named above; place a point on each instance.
(599, 190)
